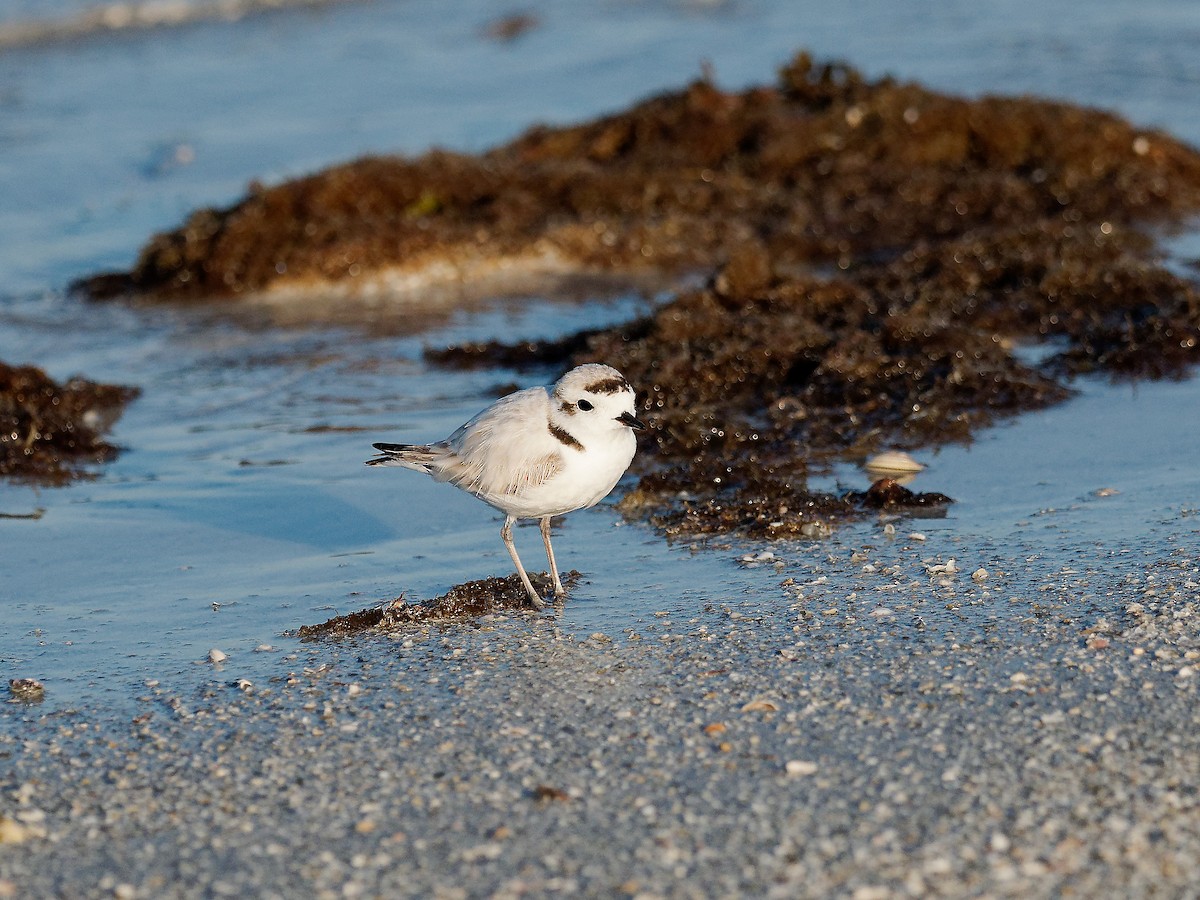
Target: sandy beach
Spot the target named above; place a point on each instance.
(905, 727)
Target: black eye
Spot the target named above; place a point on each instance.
(584, 405)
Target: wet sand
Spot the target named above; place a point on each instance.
(905, 727)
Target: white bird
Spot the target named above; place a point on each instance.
(536, 454)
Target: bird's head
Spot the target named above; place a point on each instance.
(593, 400)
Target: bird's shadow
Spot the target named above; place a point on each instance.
(462, 603)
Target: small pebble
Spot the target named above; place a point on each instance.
(801, 767)
(27, 690)
(949, 567)
(816, 530)
(12, 832)
(760, 705)
(217, 656)
(756, 558)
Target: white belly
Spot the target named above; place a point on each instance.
(585, 480)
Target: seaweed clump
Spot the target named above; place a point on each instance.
(489, 596)
(823, 166)
(50, 432)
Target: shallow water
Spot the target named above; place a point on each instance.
(242, 508)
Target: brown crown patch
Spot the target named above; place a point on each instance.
(608, 386)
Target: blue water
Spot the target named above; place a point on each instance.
(241, 508)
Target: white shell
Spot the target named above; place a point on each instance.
(895, 465)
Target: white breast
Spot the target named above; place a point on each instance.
(586, 478)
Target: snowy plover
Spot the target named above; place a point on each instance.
(535, 455)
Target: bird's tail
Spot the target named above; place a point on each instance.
(410, 456)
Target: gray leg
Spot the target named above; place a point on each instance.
(506, 536)
(559, 590)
